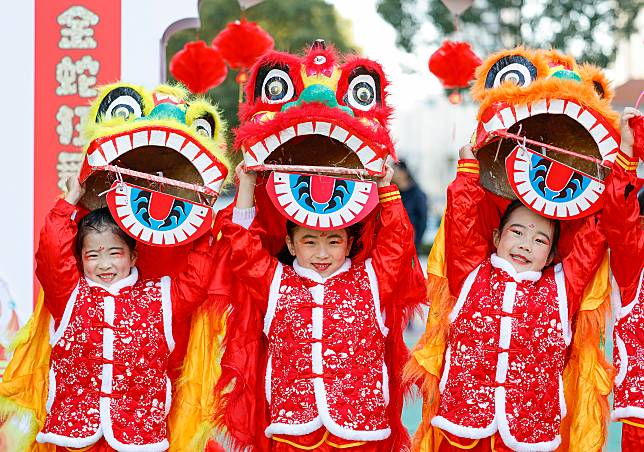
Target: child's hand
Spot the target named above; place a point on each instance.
(246, 190)
(385, 181)
(628, 139)
(75, 190)
(465, 153)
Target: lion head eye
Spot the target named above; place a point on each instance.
(516, 69)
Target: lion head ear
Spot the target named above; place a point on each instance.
(595, 77)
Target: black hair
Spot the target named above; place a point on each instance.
(401, 164)
(353, 231)
(514, 205)
(640, 199)
(100, 220)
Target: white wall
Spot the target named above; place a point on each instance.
(17, 167)
(143, 27)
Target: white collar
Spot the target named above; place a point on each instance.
(315, 276)
(502, 264)
(114, 289)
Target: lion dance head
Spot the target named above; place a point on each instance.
(546, 132)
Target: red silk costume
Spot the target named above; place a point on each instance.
(110, 361)
(326, 374)
(509, 332)
(625, 236)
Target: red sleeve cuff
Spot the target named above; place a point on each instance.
(468, 166)
(388, 193)
(625, 162)
(64, 208)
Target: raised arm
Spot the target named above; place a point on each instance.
(190, 288)
(620, 217)
(585, 256)
(467, 240)
(57, 267)
(394, 251)
(250, 262)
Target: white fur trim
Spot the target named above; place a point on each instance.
(106, 387)
(509, 295)
(268, 378)
(463, 431)
(273, 296)
(445, 376)
(504, 428)
(623, 360)
(166, 310)
(462, 296)
(56, 335)
(629, 411)
(499, 262)
(375, 292)
(385, 383)
(244, 217)
(277, 428)
(315, 276)
(624, 311)
(562, 398)
(115, 288)
(168, 395)
(51, 391)
(502, 367)
(338, 430)
(66, 441)
(505, 332)
(106, 423)
(562, 298)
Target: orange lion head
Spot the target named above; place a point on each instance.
(546, 131)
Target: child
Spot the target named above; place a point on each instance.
(326, 379)
(626, 241)
(509, 331)
(111, 331)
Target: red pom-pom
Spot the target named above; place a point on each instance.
(242, 43)
(198, 66)
(454, 64)
(637, 125)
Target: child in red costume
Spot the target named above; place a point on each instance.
(509, 332)
(326, 379)
(626, 241)
(112, 332)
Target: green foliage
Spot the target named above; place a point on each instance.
(588, 29)
(293, 25)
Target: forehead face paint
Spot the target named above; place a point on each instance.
(531, 226)
(101, 248)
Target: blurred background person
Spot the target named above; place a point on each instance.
(414, 200)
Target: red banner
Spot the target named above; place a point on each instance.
(77, 49)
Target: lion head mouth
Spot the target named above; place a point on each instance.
(168, 154)
(549, 125)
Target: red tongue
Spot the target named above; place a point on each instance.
(160, 205)
(321, 188)
(558, 176)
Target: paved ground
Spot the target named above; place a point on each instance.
(412, 411)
